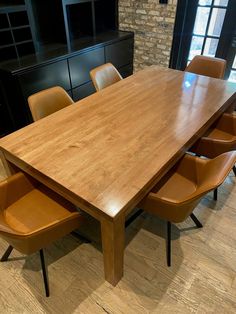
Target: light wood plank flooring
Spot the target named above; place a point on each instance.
(202, 278)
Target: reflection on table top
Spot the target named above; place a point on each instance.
(109, 149)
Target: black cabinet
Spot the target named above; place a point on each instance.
(83, 91)
(120, 53)
(81, 65)
(45, 77)
(69, 70)
(55, 42)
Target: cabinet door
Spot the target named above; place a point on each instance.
(44, 77)
(121, 53)
(126, 70)
(81, 65)
(83, 91)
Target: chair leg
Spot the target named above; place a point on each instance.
(196, 221)
(45, 277)
(234, 170)
(7, 254)
(168, 244)
(215, 194)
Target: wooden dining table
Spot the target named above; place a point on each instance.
(107, 151)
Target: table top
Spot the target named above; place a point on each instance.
(108, 150)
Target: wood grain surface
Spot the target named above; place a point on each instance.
(202, 278)
(107, 151)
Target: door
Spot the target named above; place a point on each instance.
(206, 27)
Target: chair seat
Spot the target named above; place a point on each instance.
(34, 216)
(221, 135)
(176, 188)
(36, 210)
(220, 139)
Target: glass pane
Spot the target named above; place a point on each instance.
(210, 47)
(223, 3)
(232, 77)
(217, 19)
(234, 64)
(201, 21)
(196, 47)
(205, 2)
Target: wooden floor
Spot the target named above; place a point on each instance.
(202, 278)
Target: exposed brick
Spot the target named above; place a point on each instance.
(152, 24)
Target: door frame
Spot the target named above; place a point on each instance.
(183, 29)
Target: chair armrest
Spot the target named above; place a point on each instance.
(13, 188)
(227, 123)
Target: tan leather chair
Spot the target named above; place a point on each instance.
(220, 138)
(177, 194)
(48, 101)
(32, 216)
(104, 76)
(208, 66)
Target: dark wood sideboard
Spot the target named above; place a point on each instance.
(48, 55)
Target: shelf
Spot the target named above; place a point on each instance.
(8, 51)
(25, 48)
(18, 18)
(6, 38)
(8, 8)
(3, 21)
(20, 34)
(80, 20)
(12, 28)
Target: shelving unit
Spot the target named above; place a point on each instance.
(88, 18)
(55, 42)
(15, 31)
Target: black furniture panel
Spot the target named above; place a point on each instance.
(45, 77)
(55, 42)
(126, 70)
(15, 30)
(121, 53)
(83, 91)
(81, 65)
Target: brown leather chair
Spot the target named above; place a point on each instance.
(220, 138)
(208, 66)
(178, 192)
(32, 216)
(48, 101)
(104, 76)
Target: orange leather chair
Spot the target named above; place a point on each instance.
(104, 76)
(48, 101)
(32, 216)
(178, 192)
(208, 66)
(221, 137)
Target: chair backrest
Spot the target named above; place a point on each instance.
(208, 66)
(213, 173)
(104, 75)
(205, 174)
(48, 101)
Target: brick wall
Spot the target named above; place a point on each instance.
(153, 25)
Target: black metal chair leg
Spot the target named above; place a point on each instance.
(7, 253)
(215, 194)
(234, 170)
(45, 278)
(196, 221)
(168, 244)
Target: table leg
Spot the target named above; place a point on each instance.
(8, 167)
(113, 243)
